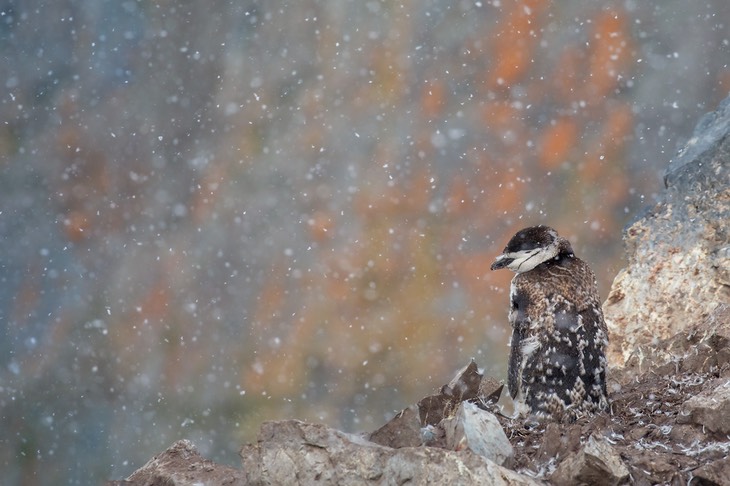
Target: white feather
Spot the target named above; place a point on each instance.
(526, 260)
(528, 346)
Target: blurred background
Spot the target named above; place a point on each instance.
(215, 213)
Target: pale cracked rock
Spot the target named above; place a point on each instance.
(294, 452)
(679, 252)
(479, 431)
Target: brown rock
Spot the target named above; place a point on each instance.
(404, 430)
(552, 442)
(597, 463)
(468, 384)
(432, 409)
(465, 385)
(710, 409)
(181, 464)
(715, 473)
(490, 389)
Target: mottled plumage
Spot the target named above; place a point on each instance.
(557, 365)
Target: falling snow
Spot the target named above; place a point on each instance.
(283, 210)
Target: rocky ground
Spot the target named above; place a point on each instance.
(669, 421)
(669, 383)
(669, 424)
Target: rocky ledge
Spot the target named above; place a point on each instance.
(669, 316)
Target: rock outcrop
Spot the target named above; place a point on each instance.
(679, 252)
(669, 318)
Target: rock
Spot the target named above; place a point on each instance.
(703, 348)
(490, 389)
(181, 464)
(434, 408)
(679, 252)
(714, 473)
(597, 463)
(478, 431)
(468, 384)
(558, 440)
(293, 452)
(465, 385)
(404, 430)
(551, 443)
(709, 409)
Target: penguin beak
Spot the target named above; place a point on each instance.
(502, 261)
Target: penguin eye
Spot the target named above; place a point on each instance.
(515, 305)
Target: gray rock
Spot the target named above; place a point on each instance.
(293, 452)
(679, 252)
(478, 431)
(597, 463)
